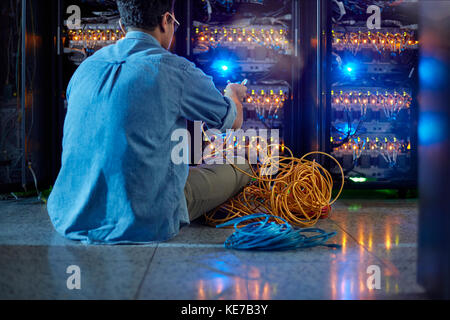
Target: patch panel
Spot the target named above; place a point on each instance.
(263, 106)
(98, 35)
(235, 37)
(387, 39)
(365, 152)
(375, 103)
(93, 36)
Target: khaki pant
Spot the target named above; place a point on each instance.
(209, 186)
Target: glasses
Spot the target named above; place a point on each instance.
(176, 24)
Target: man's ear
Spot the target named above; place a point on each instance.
(164, 22)
(121, 26)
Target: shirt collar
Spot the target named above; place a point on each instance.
(142, 36)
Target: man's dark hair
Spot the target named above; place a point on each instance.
(143, 14)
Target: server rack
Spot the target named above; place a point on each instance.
(255, 40)
(372, 87)
(27, 95)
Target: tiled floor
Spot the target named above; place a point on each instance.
(194, 265)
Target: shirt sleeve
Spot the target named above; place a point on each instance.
(201, 101)
(71, 82)
(69, 87)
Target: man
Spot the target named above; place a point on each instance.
(117, 183)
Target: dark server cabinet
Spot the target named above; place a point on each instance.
(28, 78)
(372, 86)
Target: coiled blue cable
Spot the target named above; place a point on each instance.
(265, 235)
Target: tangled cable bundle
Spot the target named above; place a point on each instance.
(274, 235)
(300, 192)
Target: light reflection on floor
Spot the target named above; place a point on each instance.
(369, 238)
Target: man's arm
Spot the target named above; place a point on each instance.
(202, 101)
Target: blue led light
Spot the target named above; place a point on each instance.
(223, 67)
(432, 128)
(350, 68)
(432, 73)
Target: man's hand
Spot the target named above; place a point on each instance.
(237, 92)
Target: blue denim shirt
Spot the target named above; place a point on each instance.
(117, 183)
